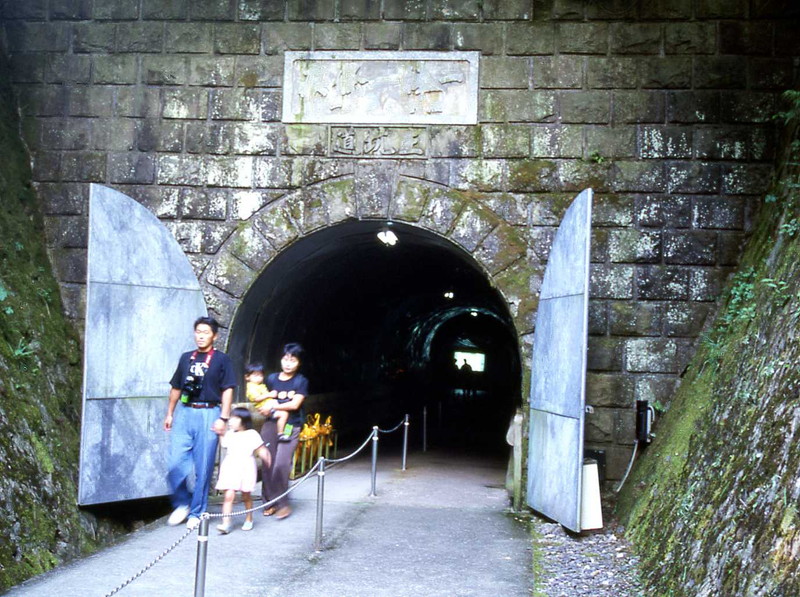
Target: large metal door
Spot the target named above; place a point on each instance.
(141, 300)
(558, 372)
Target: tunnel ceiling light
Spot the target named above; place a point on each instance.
(449, 294)
(473, 313)
(387, 236)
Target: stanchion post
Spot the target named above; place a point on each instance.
(320, 501)
(405, 441)
(374, 459)
(424, 428)
(202, 555)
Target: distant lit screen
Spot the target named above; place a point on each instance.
(476, 360)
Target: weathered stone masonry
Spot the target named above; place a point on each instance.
(663, 107)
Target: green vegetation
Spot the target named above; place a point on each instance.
(596, 157)
(711, 505)
(792, 112)
(39, 383)
(537, 558)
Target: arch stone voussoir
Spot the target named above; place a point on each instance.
(375, 184)
(230, 275)
(222, 305)
(442, 210)
(500, 248)
(410, 200)
(340, 199)
(274, 224)
(249, 246)
(515, 282)
(471, 226)
(307, 208)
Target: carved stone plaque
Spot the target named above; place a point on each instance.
(379, 142)
(381, 87)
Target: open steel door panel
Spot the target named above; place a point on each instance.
(558, 372)
(141, 300)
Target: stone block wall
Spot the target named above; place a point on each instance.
(664, 108)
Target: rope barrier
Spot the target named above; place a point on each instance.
(208, 516)
(271, 502)
(158, 558)
(393, 429)
(349, 456)
(318, 468)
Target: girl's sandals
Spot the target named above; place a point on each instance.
(270, 511)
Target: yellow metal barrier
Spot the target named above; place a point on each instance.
(316, 440)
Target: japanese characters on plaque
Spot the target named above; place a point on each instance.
(380, 88)
(378, 142)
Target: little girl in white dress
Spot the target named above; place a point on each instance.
(238, 469)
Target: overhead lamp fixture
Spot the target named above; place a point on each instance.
(449, 294)
(387, 235)
(473, 313)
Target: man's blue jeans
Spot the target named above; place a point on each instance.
(193, 448)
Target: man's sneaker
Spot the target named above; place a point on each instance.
(192, 523)
(178, 515)
(248, 525)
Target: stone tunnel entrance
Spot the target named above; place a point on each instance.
(383, 327)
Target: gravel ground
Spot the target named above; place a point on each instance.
(594, 564)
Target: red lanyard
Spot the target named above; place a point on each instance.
(193, 358)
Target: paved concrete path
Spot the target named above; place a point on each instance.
(440, 529)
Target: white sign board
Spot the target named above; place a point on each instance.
(381, 87)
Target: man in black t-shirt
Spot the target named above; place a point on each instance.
(198, 412)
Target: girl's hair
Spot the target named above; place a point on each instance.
(294, 349)
(254, 368)
(244, 415)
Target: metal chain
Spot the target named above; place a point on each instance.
(208, 515)
(271, 502)
(150, 565)
(400, 424)
(346, 458)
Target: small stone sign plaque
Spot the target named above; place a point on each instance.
(381, 87)
(379, 142)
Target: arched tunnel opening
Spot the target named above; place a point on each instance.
(385, 328)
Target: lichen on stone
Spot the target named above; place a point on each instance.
(711, 504)
(40, 385)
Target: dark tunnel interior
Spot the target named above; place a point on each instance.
(382, 326)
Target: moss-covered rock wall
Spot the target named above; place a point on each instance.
(713, 504)
(40, 385)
